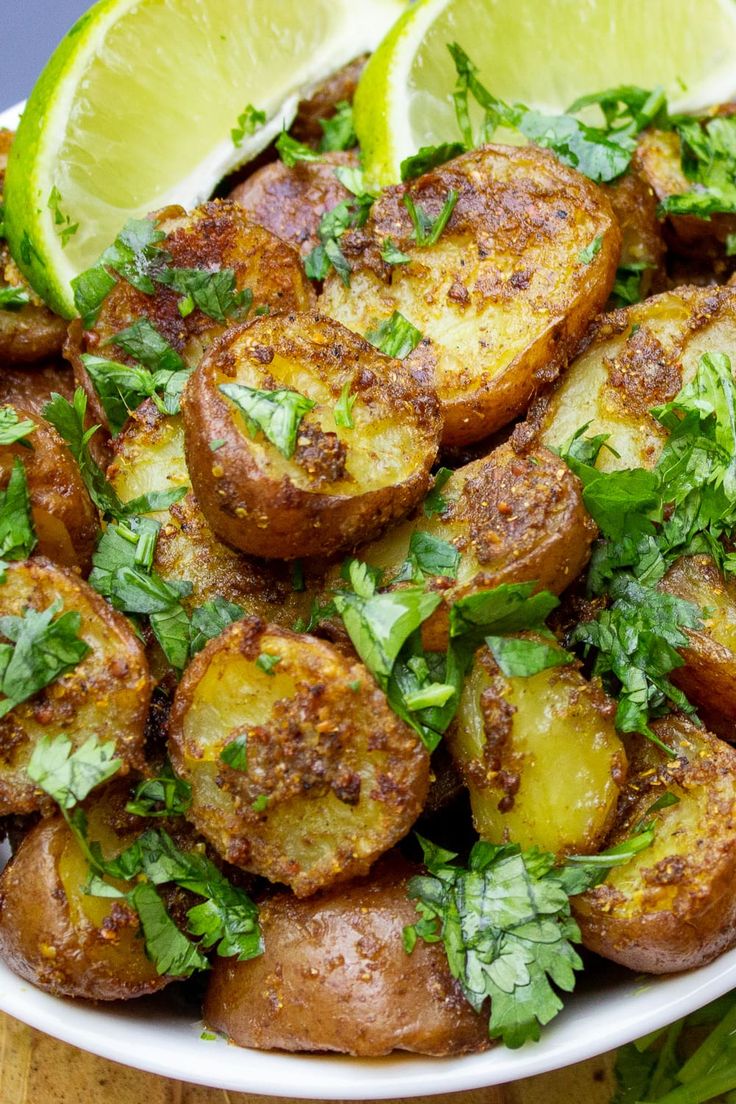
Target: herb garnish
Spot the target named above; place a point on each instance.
(392, 255)
(64, 227)
(428, 158)
(134, 255)
(235, 754)
(395, 336)
(290, 151)
(427, 231)
(434, 503)
(275, 414)
(162, 796)
(627, 287)
(12, 429)
(13, 298)
(248, 123)
(17, 534)
(43, 648)
(338, 132)
(343, 412)
(347, 215)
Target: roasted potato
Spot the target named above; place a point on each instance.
(636, 359)
(32, 387)
(504, 296)
(33, 332)
(539, 755)
(339, 484)
(291, 202)
(327, 777)
(56, 936)
(672, 907)
(658, 159)
(149, 455)
(106, 694)
(709, 675)
(65, 520)
(335, 977)
(322, 102)
(635, 206)
(513, 517)
(216, 235)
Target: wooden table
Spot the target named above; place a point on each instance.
(35, 1069)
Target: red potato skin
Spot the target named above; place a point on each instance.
(335, 977)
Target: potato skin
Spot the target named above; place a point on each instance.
(64, 516)
(709, 675)
(503, 298)
(344, 777)
(673, 907)
(291, 202)
(106, 694)
(57, 938)
(219, 234)
(540, 757)
(323, 100)
(635, 206)
(635, 359)
(515, 517)
(335, 977)
(342, 485)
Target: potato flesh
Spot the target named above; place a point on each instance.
(106, 694)
(639, 358)
(344, 778)
(672, 907)
(503, 296)
(540, 756)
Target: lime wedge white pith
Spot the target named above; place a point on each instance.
(544, 53)
(136, 106)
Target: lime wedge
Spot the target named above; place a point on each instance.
(136, 107)
(544, 53)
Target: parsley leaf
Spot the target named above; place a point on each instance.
(211, 619)
(395, 336)
(42, 649)
(290, 151)
(428, 158)
(276, 414)
(235, 754)
(521, 657)
(268, 663)
(17, 534)
(13, 298)
(343, 412)
(428, 557)
(248, 123)
(134, 255)
(12, 429)
(427, 231)
(434, 503)
(166, 795)
(215, 293)
(70, 776)
(392, 255)
(591, 251)
(338, 132)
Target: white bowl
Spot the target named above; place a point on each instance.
(611, 1007)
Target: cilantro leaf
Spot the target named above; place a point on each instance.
(67, 775)
(392, 255)
(248, 123)
(395, 336)
(508, 608)
(166, 946)
(135, 256)
(338, 132)
(434, 503)
(276, 414)
(44, 647)
(522, 657)
(12, 429)
(144, 343)
(235, 754)
(348, 214)
(166, 795)
(215, 293)
(709, 162)
(121, 388)
(428, 158)
(429, 556)
(290, 151)
(591, 251)
(17, 533)
(211, 619)
(13, 298)
(380, 625)
(427, 231)
(343, 412)
(627, 286)
(268, 663)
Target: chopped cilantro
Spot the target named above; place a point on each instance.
(248, 123)
(348, 214)
(709, 162)
(427, 231)
(211, 619)
(338, 132)
(392, 255)
(268, 663)
(591, 251)
(162, 796)
(13, 298)
(627, 288)
(434, 503)
(290, 151)
(64, 227)
(17, 534)
(67, 775)
(260, 804)
(235, 754)
(343, 412)
(215, 293)
(395, 336)
(12, 429)
(217, 444)
(429, 557)
(521, 657)
(275, 414)
(43, 648)
(428, 158)
(135, 256)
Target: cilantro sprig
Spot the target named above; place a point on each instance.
(17, 532)
(506, 926)
(349, 214)
(395, 336)
(276, 414)
(42, 648)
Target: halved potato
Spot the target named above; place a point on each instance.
(673, 906)
(33, 332)
(291, 202)
(636, 359)
(327, 777)
(149, 455)
(107, 694)
(335, 977)
(525, 262)
(539, 755)
(513, 517)
(709, 675)
(323, 100)
(217, 235)
(56, 936)
(340, 484)
(65, 520)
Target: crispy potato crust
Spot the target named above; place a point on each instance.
(635, 206)
(291, 202)
(672, 907)
(344, 778)
(540, 757)
(335, 977)
(107, 694)
(216, 235)
(504, 297)
(636, 359)
(342, 484)
(64, 517)
(57, 937)
(34, 332)
(323, 100)
(709, 675)
(31, 388)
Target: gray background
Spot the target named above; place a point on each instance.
(30, 29)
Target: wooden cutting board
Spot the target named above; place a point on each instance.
(35, 1069)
